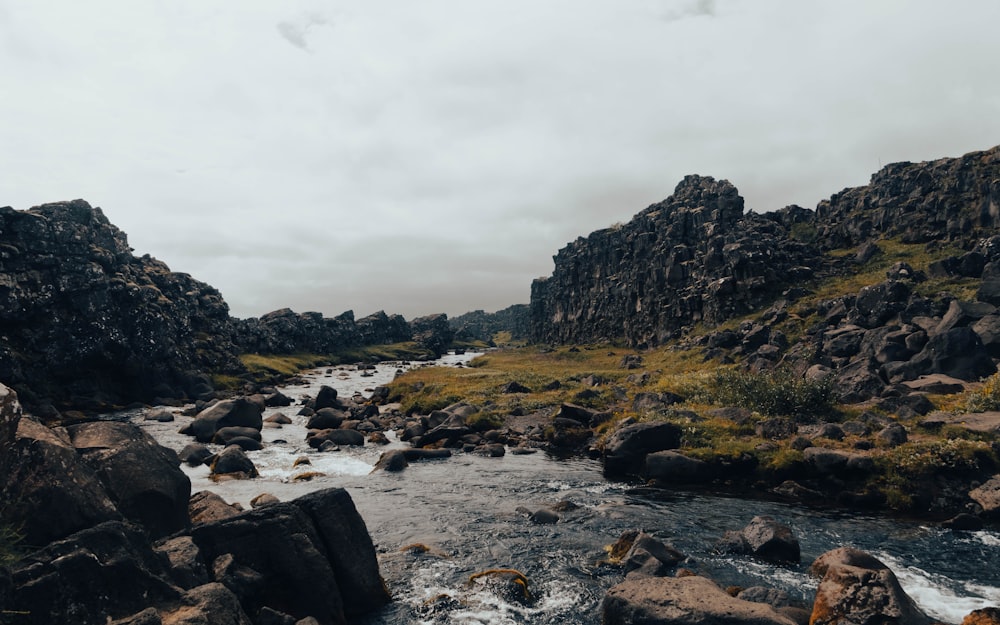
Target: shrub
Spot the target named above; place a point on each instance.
(773, 393)
(986, 397)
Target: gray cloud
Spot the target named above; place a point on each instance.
(434, 156)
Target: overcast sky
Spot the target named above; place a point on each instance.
(431, 156)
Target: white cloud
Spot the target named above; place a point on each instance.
(418, 157)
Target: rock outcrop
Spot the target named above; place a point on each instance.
(483, 326)
(87, 324)
(693, 257)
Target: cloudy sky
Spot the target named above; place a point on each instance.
(432, 156)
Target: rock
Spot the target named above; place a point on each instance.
(764, 539)
(958, 353)
(543, 516)
(988, 496)
(326, 419)
(185, 565)
(279, 417)
(161, 416)
(777, 429)
(206, 507)
(649, 557)
(47, 488)
(674, 467)
(514, 387)
(91, 577)
(837, 463)
(831, 431)
(240, 412)
(626, 449)
(263, 499)
(761, 594)
(580, 414)
(278, 399)
(378, 438)
(326, 398)
(316, 438)
(508, 584)
(686, 600)
(225, 435)
(314, 552)
(209, 603)
(858, 588)
(964, 523)
(892, 435)
(937, 383)
(141, 476)
(194, 454)
(394, 460)
(984, 616)
(233, 461)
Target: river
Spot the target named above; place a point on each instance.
(464, 509)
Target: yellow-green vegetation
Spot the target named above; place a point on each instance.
(984, 398)
(281, 365)
(773, 393)
(10, 544)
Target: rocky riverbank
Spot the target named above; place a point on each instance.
(110, 534)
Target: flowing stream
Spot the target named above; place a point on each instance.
(464, 510)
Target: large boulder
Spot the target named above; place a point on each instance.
(102, 573)
(691, 600)
(988, 497)
(674, 467)
(48, 489)
(958, 352)
(626, 449)
(239, 412)
(141, 476)
(858, 589)
(310, 557)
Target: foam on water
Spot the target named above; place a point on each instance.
(938, 595)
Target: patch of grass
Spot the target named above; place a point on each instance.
(408, 350)
(920, 459)
(287, 366)
(774, 393)
(983, 399)
(225, 382)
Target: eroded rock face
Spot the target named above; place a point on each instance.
(88, 324)
(693, 257)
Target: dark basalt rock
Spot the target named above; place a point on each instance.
(763, 538)
(626, 449)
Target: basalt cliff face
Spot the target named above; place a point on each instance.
(695, 257)
(699, 257)
(86, 325)
(85, 322)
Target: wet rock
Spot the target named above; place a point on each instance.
(675, 467)
(279, 418)
(316, 438)
(649, 557)
(240, 412)
(326, 419)
(984, 616)
(278, 399)
(160, 416)
(392, 461)
(688, 600)
(233, 461)
(626, 449)
(508, 584)
(964, 523)
(325, 398)
(761, 594)
(857, 588)
(225, 435)
(263, 499)
(194, 454)
(764, 539)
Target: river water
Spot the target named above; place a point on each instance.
(464, 510)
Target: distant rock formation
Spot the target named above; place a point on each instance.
(695, 257)
(483, 326)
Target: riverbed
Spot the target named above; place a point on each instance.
(464, 510)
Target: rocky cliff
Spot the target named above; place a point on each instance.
(482, 326)
(87, 324)
(698, 257)
(695, 257)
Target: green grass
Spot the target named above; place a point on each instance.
(287, 366)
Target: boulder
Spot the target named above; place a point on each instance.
(326, 398)
(690, 600)
(186, 567)
(857, 588)
(675, 467)
(764, 539)
(314, 553)
(326, 419)
(209, 603)
(225, 435)
(142, 477)
(240, 412)
(958, 353)
(837, 463)
(984, 616)
(233, 461)
(279, 418)
(48, 489)
(316, 438)
(626, 449)
(513, 387)
(988, 497)
(392, 461)
(194, 454)
(206, 507)
(892, 435)
(649, 557)
(94, 576)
